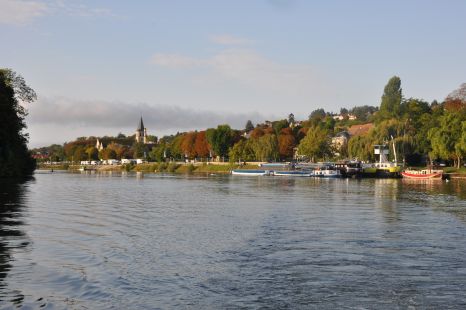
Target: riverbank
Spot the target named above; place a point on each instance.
(173, 167)
(199, 167)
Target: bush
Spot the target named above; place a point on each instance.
(172, 167)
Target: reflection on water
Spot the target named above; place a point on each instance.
(12, 237)
(139, 241)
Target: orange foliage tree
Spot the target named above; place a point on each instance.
(187, 144)
(201, 146)
(286, 143)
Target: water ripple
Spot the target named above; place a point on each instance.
(116, 240)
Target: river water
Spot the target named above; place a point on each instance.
(134, 241)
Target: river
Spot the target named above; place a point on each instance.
(145, 241)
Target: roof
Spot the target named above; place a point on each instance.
(360, 130)
(141, 125)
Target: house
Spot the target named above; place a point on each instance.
(339, 141)
(341, 117)
(125, 161)
(111, 162)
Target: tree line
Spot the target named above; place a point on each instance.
(422, 132)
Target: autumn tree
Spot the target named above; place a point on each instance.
(286, 143)
(201, 146)
(187, 144)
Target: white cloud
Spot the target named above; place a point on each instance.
(247, 67)
(16, 12)
(226, 39)
(175, 60)
(19, 12)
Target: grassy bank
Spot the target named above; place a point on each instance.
(185, 168)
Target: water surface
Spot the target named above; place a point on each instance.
(101, 241)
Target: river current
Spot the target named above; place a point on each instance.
(150, 241)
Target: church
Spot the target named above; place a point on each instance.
(141, 133)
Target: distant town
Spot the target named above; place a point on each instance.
(421, 133)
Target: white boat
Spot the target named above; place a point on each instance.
(327, 173)
(294, 173)
(250, 172)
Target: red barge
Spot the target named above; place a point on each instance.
(422, 174)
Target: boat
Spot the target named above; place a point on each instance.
(384, 167)
(294, 173)
(422, 174)
(250, 172)
(274, 165)
(349, 168)
(327, 173)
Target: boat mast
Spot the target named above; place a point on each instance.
(394, 149)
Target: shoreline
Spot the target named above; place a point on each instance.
(179, 167)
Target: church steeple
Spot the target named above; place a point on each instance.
(141, 125)
(141, 133)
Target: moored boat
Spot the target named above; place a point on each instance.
(422, 174)
(250, 172)
(327, 173)
(294, 173)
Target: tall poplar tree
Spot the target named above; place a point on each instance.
(391, 100)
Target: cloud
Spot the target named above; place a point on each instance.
(226, 39)
(77, 9)
(175, 60)
(247, 67)
(67, 112)
(14, 12)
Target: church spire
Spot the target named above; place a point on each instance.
(141, 125)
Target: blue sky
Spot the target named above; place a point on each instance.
(98, 65)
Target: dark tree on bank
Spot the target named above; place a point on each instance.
(15, 160)
(249, 126)
(317, 114)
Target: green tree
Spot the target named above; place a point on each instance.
(265, 148)
(139, 150)
(316, 144)
(241, 151)
(92, 153)
(446, 140)
(220, 139)
(391, 99)
(15, 160)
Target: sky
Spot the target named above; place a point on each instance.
(98, 66)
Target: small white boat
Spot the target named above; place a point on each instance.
(327, 173)
(294, 173)
(250, 172)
